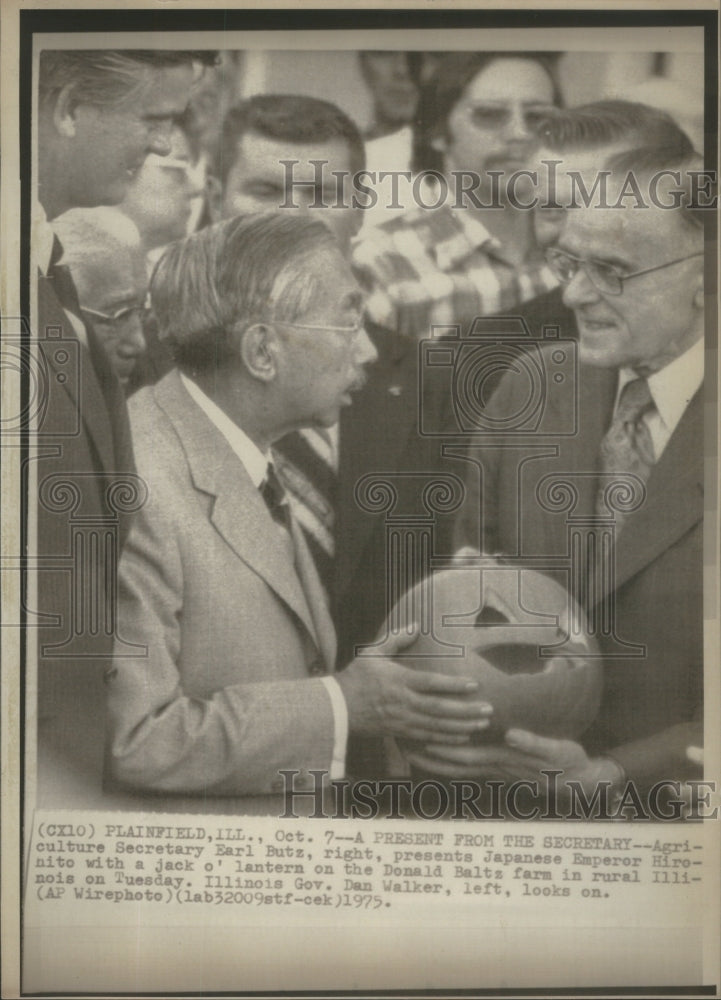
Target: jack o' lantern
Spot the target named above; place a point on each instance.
(518, 633)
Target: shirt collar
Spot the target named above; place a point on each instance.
(42, 238)
(253, 459)
(673, 386)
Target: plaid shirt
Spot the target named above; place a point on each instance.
(441, 266)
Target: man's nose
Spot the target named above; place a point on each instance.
(365, 351)
(580, 290)
(516, 125)
(133, 342)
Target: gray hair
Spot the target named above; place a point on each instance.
(242, 270)
(105, 77)
(89, 235)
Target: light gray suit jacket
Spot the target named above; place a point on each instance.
(232, 635)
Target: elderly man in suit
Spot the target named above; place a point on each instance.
(100, 113)
(232, 678)
(625, 445)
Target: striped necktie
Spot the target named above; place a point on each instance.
(627, 446)
(275, 498)
(306, 466)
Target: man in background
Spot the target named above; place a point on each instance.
(100, 113)
(454, 258)
(103, 250)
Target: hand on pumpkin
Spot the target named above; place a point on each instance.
(521, 757)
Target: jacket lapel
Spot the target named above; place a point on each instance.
(239, 513)
(674, 497)
(577, 460)
(78, 379)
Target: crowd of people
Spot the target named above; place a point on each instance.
(232, 301)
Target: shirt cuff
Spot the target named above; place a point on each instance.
(340, 727)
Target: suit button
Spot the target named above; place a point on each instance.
(316, 668)
(277, 785)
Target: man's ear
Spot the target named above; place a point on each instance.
(214, 198)
(257, 348)
(64, 112)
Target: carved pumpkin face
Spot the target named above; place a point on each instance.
(517, 632)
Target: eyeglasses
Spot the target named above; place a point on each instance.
(604, 277)
(354, 330)
(122, 314)
(498, 116)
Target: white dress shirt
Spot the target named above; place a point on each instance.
(256, 464)
(672, 389)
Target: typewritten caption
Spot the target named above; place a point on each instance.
(127, 860)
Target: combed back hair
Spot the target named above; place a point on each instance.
(90, 236)
(645, 162)
(290, 118)
(444, 89)
(105, 77)
(602, 123)
(247, 269)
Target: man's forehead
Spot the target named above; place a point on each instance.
(625, 230)
(256, 152)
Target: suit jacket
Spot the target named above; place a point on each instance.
(380, 437)
(652, 702)
(84, 468)
(230, 635)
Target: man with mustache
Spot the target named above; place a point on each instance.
(456, 255)
(233, 679)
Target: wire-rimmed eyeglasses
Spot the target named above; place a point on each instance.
(118, 317)
(603, 276)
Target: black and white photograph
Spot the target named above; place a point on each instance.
(360, 503)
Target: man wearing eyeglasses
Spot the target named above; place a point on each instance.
(634, 279)
(226, 651)
(102, 248)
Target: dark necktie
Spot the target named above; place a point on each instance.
(275, 498)
(62, 280)
(627, 446)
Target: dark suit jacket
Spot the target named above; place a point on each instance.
(652, 702)
(380, 439)
(84, 456)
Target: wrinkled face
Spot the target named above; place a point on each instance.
(258, 181)
(492, 126)
(389, 80)
(116, 285)
(320, 368)
(657, 316)
(110, 143)
(163, 194)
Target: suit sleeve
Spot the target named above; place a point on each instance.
(232, 742)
